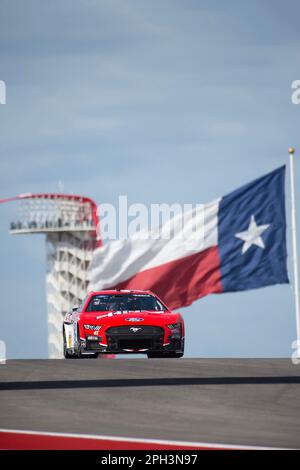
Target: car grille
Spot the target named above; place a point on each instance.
(135, 344)
(93, 345)
(134, 337)
(132, 330)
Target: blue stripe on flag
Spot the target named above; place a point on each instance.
(252, 234)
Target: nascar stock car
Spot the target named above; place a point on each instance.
(123, 322)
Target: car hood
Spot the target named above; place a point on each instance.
(117, 318)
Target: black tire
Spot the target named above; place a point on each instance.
(79, 354)
(153, 356)
(178, 355)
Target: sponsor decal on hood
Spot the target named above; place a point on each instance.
(135, 319)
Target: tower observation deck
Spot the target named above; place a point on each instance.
(71, 225)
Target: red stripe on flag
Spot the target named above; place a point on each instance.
(182, 281)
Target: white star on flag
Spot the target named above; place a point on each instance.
(252, 236)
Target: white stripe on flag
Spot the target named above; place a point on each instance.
(119, 260)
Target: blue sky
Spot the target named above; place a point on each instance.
(165, 101)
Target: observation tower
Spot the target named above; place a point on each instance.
(71, 225)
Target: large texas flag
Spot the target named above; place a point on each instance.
(239, 244)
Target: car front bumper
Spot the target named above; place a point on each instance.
(126, 340)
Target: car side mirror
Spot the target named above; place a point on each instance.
(74, 309)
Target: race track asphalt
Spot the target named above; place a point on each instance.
(230, 401)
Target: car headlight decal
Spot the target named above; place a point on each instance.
(175, 329)
(92, 327)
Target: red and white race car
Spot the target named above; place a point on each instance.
(123, 322)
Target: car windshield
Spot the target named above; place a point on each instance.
(124, 302)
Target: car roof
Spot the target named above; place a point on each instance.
(125, 291)
(122, 291)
